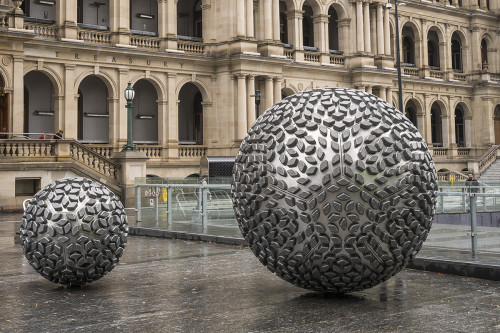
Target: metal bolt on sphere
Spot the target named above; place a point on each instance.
(334, 190)
(74, 231)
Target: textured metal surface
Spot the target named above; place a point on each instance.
(74, 231)
(217, 166)
(334, 190)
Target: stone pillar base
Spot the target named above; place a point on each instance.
(133, 165)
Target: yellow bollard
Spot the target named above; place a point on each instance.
(451, 179)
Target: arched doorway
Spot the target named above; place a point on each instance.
(459, 127)
(145, 113)
(190, 115)
(283, 23)
(497, 124)
(411, 112)
(4, 109)
(484, 53)
(408, 46)
(307, 25)
(333, 29)
(433, 50)
(144, 17)
(436, 126)
(456, 53)
(189, 19)
(38, 104)
(93, 111)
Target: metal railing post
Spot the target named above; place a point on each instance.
(473, 222)
(137, 203)
(441, 200)
(204, 216)
(464, 200)
(169, 204)
(156, 205)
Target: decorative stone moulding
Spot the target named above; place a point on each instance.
(334, 190)
(74, 231)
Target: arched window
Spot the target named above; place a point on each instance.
(433, 50)
(95, 13)
(436, 126)
(190, 113)
(408, 45)
(411, 112)
(307, 26)
(459, 127)
(333, 29)
(484, 52)
(283, 23)
(93, 111)
(198, 26)
(145, 113)
(456, 53)
(408, 51)
(38, 104)
(144, 17)
(189, 19)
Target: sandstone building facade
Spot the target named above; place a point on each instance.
(195, 66)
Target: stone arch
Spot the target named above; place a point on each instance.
(105, 77)
(290, 4)
(155, 81)
(434, 37)
(315, 5)
(7, 80)
(442, 105)
(191, 116)
(496, 124)
(94, 109)
(56, 80)
(201, 86)
(339, 8)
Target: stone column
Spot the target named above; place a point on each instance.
(380, 30)
(476, 64)
(17, 119)
(172, 125)
(133, 165)
(250, 18)
(114, 110)
(268, 20)
(163, 122)
(68, 115)
(276, 20)
(445, 131)
(320, 32)
(250, 101)
(389, 97)
(119, 22)
(382, 94)
(428, 125)
(240, 18)
(208, 18)
(387, 32)
(369, 89)
(268, 94)
(241, 122)
(425, 51)
(66, 20)
(421, 124)
(360, 43)
(168, 37)
(120, 118)
(366, 26)
(468, 131)
(277, 90)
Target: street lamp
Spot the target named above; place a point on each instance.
(398, 57)
(129, 96)
(257, 96)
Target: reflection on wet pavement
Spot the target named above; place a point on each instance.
(164, 285)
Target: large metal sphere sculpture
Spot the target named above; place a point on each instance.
(334, 190)
(74, 231)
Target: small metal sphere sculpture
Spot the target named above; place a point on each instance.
(334, 190)
(74, 231)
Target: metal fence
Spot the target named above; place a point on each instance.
(204, 205)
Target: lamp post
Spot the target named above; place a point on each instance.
(398, 56)
(129, 96)
(257, 96)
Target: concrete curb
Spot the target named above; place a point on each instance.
(454, 267)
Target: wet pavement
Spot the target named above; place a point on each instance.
(169, 285)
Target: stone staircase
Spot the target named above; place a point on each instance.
(492, 174)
